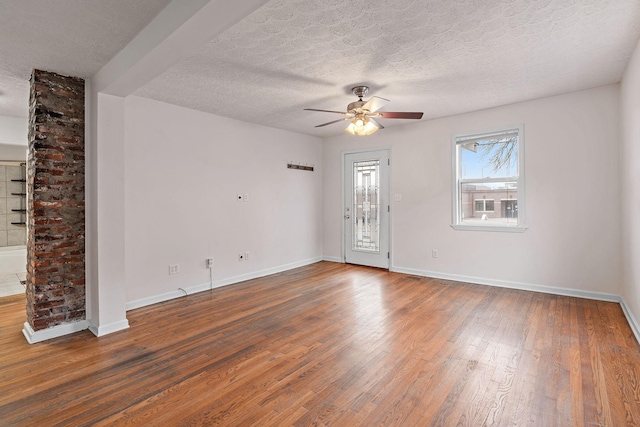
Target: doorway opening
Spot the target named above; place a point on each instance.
(510, 209)
(13, 227)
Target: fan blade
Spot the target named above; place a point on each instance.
(375, 122)
(396, 115)
(374, 104)
(325, 111)
(335, 121)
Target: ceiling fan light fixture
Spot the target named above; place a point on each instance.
(364, 115)
(361, 126)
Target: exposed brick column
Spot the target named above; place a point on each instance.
(55, 202)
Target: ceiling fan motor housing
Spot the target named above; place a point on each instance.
(355, 107)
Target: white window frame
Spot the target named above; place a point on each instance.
(457, 223)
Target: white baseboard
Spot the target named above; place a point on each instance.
(633, 323)
(100, 330)
(53, 332)
(600, 296)
(143, 302)
(332, 259)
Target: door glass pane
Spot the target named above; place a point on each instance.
(366, 203)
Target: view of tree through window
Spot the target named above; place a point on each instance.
(488, 179)
(492, 158)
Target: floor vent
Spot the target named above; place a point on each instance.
(416, 278)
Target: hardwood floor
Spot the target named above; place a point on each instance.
(333, 344)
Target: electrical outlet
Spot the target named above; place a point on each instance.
(209, 262)
(245, 197)
(174, 269)
(240, 257)
(246, 255)
(434, 253)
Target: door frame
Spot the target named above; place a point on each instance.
(343, 154)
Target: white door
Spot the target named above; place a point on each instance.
(366, 208)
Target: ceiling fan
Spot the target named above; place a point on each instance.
(364, 115)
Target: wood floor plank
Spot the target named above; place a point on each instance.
(331, 344)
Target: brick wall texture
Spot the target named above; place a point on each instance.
(55, 203)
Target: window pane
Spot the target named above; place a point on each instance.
(489, 158)
(366, 202)
(489, 203)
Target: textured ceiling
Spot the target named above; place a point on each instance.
(442, 57)
(73, 37)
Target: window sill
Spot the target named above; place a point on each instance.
(513, 229)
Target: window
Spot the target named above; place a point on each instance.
(484, 205)
(488, 180)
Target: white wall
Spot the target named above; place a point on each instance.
(183, 171)
(572, 196)
(630, 172)
(13, 138)
(105, 222)
(14, 130)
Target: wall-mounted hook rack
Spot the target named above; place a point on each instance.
(299, 167)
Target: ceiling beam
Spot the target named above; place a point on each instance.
(178, 31)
